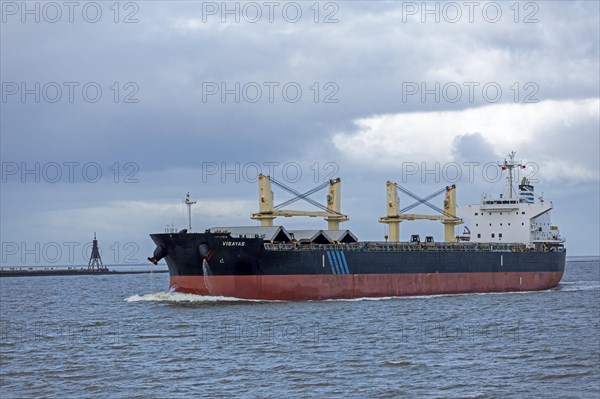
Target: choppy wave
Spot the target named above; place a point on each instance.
(399, 363)
(441, 347)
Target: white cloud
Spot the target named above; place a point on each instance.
(542, 132)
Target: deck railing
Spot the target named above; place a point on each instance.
(411, 247)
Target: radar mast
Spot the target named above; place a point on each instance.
(509, 165)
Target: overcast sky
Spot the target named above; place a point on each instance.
(110, 115)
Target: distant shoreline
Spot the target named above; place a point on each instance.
(25, 271)
(588, 258)
(70, 272)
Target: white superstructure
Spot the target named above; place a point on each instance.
(512, 217)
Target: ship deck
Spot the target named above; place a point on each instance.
(415, 247)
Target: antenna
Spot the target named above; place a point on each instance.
(509, 165)
(189, 204)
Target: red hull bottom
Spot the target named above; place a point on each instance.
(315, 287)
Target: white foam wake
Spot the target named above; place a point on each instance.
(167, 296)
(368, 298)
(183, 297)
(432, 296)
(578, 285)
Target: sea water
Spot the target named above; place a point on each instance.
(115, 336)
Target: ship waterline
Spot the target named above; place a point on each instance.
(319, 287)
(216, 264)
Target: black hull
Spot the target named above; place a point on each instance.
(217, 264)
(184, 259)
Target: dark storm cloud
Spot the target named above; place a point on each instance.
(473, 147)
(170, 55)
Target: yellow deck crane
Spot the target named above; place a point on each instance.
(267, 212)
(395, 215)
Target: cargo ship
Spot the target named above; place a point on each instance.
(511, 245)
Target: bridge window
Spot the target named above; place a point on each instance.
(493, 235)
(478, 235)
(499, 235)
